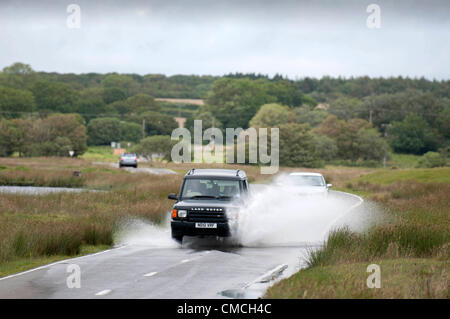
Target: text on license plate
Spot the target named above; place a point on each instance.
(205, 225)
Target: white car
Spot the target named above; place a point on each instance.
(305, 183)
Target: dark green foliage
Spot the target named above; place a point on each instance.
(91, 103)
(55, 135)
(114, 94)
(138, 103)
(443, 121)
(297, 147)
(54, 96)
(356, 139)
(155, 123)
(233, 100)
(306, 115)
(130, 132)
(271, 115)
(155, 145)
(431, 159)
(179, 109)
(177, 86)
(103, 131)
(122, 81)
(325, 147)
(208, 121)
(346, 108)
(413, 135)
(9, 137)
(18, 76)
(13, 102)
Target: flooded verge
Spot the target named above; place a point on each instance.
(35, 190)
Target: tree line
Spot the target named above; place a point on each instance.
(329, 119)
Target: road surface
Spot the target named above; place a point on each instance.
(143, 272)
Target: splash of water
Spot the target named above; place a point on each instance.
(141, 232)
(277, 215)
(284, 215)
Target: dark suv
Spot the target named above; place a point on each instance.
(208, 203)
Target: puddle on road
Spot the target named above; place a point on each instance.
(242, 293)
(258, 287)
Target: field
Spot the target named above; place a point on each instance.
(182, 101)
(411, 246)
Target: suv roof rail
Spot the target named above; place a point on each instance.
(214, 172)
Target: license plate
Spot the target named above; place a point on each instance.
(205, 225)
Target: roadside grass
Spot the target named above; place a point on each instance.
(100, 153)
(41, 171)
(403, 160)
(400, 278)
(14, 177)
(423, 175)
(62, 223)
(22, 264)
(415, 233)
(337, 175)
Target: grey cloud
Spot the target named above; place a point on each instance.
(295, 38)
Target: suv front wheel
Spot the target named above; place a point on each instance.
(178, 238)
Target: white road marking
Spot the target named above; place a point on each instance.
(103, 292)
(150, 274)
(361, 200)
(268, 276)
(60, 262)
(184, 261)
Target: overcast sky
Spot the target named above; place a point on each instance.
(293, 38)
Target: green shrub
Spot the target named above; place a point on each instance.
(155, 145)
(431, 159)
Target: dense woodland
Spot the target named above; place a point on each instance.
(329, 120)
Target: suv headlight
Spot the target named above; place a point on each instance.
(182, 213)
(233, 213)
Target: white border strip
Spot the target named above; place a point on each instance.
(59, 262)
(269, 276)
(103, 292)
(361, 200)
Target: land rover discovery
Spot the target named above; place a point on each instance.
(208, 203)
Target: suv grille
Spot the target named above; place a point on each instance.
(206, 214)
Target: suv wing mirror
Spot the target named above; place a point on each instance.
(173, 196)
(329, 185)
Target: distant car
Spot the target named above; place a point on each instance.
(128, 159)
(306, 183)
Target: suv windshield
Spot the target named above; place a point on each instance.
(210, 188)
(305, 180)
